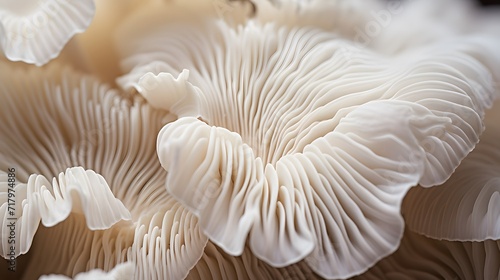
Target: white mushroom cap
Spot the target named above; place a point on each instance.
(35, 31)
(467, 206)
(123, 271)
(302, 150)
(63, 119)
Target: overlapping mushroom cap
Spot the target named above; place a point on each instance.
(458, 221)
(301, 150)
(117, 210)
(35, 31)
(286, 136)
(467, 206)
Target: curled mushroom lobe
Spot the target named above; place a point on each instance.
(35, 31)
(467, 206)
(458, 238)
(89, 189)
(302, 143)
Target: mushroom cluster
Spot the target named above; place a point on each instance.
(257, 139)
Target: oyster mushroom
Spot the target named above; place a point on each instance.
(467, 206)
(35, 31)
(464, 209)
(116, 211)
(300, 150)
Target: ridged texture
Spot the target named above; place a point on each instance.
(160, 244)
(217, 264)
(467, 206)
(75, 191)
(306, 152)
(62, 119)
(420, 257)
(35, 32)
(343, 17)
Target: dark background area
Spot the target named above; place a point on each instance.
(489, 2)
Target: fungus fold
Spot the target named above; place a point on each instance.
(262, 139)
(303, 147)
(74, 191)
(114, 212)
(420, 257)
(35, 31)
(467, 206)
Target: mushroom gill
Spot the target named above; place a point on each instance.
(419, 257)
(35, 31)
(452, 230)
(217, 264)
(306, 152)
(467, 206)
(343, 17)
(115, 211)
